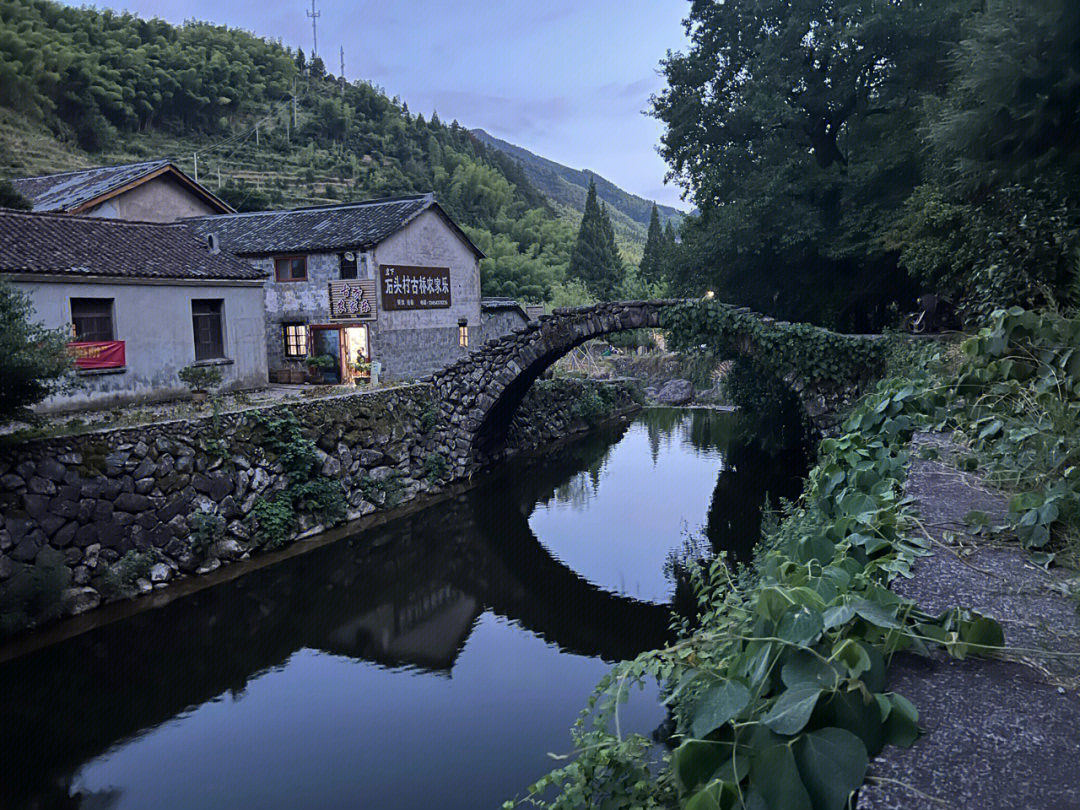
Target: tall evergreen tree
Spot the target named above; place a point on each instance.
(595, 259)
(652, 267)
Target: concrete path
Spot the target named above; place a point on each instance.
(998, 734)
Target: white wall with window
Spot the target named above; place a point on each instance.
(162, 326)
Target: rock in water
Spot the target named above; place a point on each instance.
(676, 392)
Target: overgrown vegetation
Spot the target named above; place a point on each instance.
(33, 593)
(206, 528)
(276, 515)
(595, 404)
(777, 686)
(847, 156)
(435, 467)
(120, 579)
(383, 491)
(813, 353)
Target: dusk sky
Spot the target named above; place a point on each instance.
(566, 80)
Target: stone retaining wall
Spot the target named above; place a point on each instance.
(71, 508)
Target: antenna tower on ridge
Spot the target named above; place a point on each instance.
(314, 15)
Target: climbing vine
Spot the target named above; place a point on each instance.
(276, 516)
(814, 353)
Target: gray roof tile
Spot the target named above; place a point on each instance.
(65, 244)
(67, 190)
(321, 228)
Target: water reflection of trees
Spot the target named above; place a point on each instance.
(765, 459)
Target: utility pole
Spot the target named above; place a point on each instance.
(342, 70)
(196, 156)
(294, 102)
(256, 134)
(314, 30)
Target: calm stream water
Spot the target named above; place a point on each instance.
(429, 662)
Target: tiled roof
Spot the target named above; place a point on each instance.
(67, 190)
(321, 228)
(52, 244)
(500, 303)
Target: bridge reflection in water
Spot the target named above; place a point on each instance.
(407, 595)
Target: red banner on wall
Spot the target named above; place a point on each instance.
(98, 354)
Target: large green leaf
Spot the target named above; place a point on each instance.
(718, 704)
(902, 724)
(832, 763)
(801, 626)
(805, 667)
(695, 761)
(776, 777)
(792, 710)
(717, 796)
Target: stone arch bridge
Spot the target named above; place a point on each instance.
(481, 393)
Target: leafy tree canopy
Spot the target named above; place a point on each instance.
(34, 361)
(793, 125)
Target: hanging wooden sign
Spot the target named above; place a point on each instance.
(352, 300)
(414, 287)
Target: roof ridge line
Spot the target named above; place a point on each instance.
(428, 195)
(94, 168)
(68, 217)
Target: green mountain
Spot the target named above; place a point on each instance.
(566, 188)
(82, 87)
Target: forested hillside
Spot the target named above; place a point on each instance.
(567, 189)
(81, 87)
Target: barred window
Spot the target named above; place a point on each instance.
(295, 337)
(92, 319)
(209, 331)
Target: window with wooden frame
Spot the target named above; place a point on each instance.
(92, 319)
(290, 268)
(463, 333)
(206, 318)
(294, 336)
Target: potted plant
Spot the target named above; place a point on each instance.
(200, 379)
(318, 364)
(362, 369)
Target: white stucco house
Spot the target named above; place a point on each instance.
(141, 300)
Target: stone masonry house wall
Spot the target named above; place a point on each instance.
(414, 343)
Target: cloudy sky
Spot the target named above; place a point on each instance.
(567, 80)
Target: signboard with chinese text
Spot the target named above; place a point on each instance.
(414, 287)
(98, 354)
(352, 300)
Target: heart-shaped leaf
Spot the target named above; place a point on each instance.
(719, 704)
(792, 710)
(832, 763)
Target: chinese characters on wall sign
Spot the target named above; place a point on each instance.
(98, 354)
(352, 300)
(415, 287)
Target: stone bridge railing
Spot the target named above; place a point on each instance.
(481, 393)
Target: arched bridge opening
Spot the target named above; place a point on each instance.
(482, 392)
